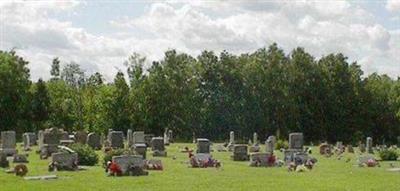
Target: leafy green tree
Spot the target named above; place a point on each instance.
(40, 104)
(14, 90)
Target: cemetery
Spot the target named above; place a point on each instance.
(130, 163)
(198, 95)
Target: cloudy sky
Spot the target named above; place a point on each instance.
(99, 35)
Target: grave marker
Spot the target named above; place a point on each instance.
(8, 143)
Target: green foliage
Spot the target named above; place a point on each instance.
(86, 155)
(40, 104)
(389, 155)
(281, 144)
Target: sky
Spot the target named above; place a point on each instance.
(100, 35)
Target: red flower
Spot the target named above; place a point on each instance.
(115, 169)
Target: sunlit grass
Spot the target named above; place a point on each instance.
(328, 174)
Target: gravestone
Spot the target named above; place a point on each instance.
(369, 145)
(170, 136)
(138, 137)
(296, 141)
(259, 159)
(240, 153)
(63, 161)
(203, 145)
(148, 138)
(80, 137)
(129, 162)
(166, 137)
(49, 140)
(94, 141)
(361, 147)
(140, 149)
(29, 140)
(270, 144)
(8, 143)
(129, 138)
(255, 139)
(231, 143)
(116, 139)
(157, 146)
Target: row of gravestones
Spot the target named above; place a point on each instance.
(295, 153)
(326, 148)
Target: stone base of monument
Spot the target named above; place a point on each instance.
(295, 155)
(240, 157)
(159, 153)
(230, 147)
(20, 158)
(260, 160)
(64, 161)
(127, 165)
(8, 151)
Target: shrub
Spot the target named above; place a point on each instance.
(388, 154)
(282, 144)
(114, 152)
(86, 155)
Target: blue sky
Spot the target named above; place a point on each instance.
(100, 35)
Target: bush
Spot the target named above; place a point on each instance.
(281, 144)
(114, 152)
(389, 154)
(86, 155)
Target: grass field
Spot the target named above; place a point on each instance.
(328, 174)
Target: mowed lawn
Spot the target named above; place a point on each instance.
(328, 174)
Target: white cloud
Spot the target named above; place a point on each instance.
(236, 26)
(393, 5)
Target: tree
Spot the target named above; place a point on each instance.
(40, 104)
(55, 68)
(14, 90)
(118, 111)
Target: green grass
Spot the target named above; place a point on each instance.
(328, 174)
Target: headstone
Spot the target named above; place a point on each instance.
(64, 161)
(296, 141)
(116, 139)
(157, 146)
(49, 140)
(369, 145)
(129, 138)
(80, 137)
(29, 140)
(140, 149)
(94, 141)
(270, 144)
(240, 153)
(255, 139)
(203, 145)
(138, 137)
(148, 138)
(127, 162)
(259, 159)
(170, 136)
(8, 143)
(361, 147)
(231, 143)
(166, 137)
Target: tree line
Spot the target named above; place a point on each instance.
(266, 91)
